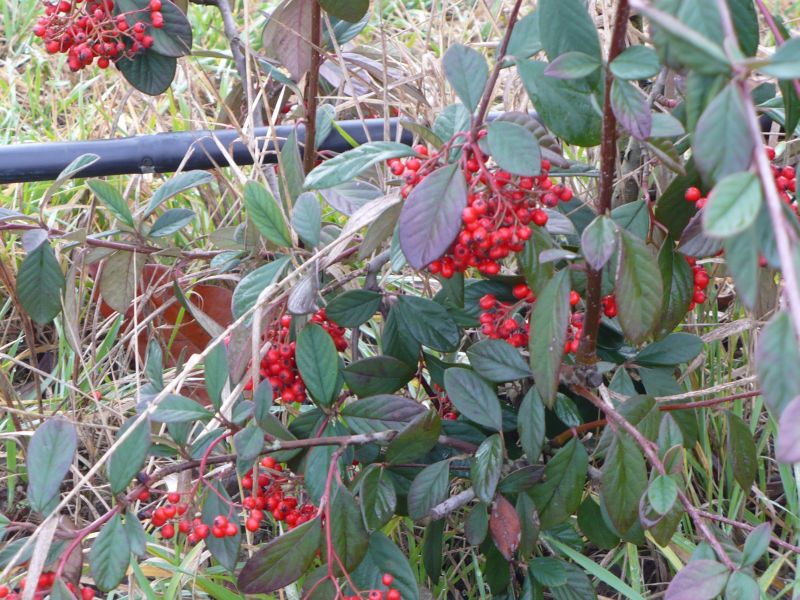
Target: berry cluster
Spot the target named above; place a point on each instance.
(445, 407)
(501, 320)
(500, 208)
(45, 582)
(279, 365)
(701, 281)
(269, 495)
(88, 29)
(391, 594)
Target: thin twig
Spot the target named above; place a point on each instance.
(312, 89)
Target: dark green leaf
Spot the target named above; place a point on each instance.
(791, 105)
(476, 525)
(497, 360)
(721, 144)
(531, 425)
(745, 22)
(347, 10)
(60, 591)
(549, 332)
(598, 241)
(216, 374)
(741, 254)
(378, 497)
(353, 307)
(678, 281)
(756, 544)
(777, 357)
(631, 109)
(384, 557)
(263, 209)
(432, 549)
(733, 205)
(40, 284)
(453, 119)
(473, 397)
(282, 560)
(548, 570)
(427, 322)
(529, 524)
(377, 375)
(419, 436)
(431, 215)
(569, 114)
(292, 168)
(318, 363)
(252, 284)
(428, 489)
(130, 455)
(741, 451)
(348, 534)
(525, 39)
(742, 586)
(572, 65)
(662, 494)
(575, 30)
(171, 222)
(176, 185)
(307, 218)
(347, 165)
(112, 199)
(674, 349)
(577, 587)
(134, 532)
(151, 73)
(514, 148)
(248, 443)
(698, 580)
(560, 495)
(49, 456)
(380, 413)
(467, 72)
(486, 468)
(636, 62)
(638, 288)
(623, 481)
(110, 555)
(179, 409)
(593, 525)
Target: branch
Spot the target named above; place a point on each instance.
(608, 165)
(452, 504)
(312, 89)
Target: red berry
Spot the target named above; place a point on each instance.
(574, 297)
(393, 594)
(375, 595)
(252, 524)
(387, 579)
(157, 19)
(4, 591)
(202, 531)
(220, 521)
(231, 529)
(184, 527)
(87, 593)
(168, 531)
(693, 194)
(155, 5)
(699, 297)
(218, 532)
(520, 291)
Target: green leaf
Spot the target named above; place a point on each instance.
(745, 23)
(721, 144)
(377, 375)
(216, 374)
(476, 525)
(347, 10)
(594, 527)
(318, 363)
(176, 185)
(307, 218)
(569, 114)
(531, 425)
(514, 148)
(134, 532)
(623, 481)
(60, 591)
(548, 570)
(636, 62)
(252, 284)
(486, 468)
(263, 209)
(742, 586)
(662, 494)
(631, 109)
(466, 70)
(572, 65)
(497, 360)
(549, 332)
(473, 397)
(179, 409)
(417, 438)
(49, 456)
(741, 451)
(756, 544)
(378, 497)
(431, 215)
(353, 307)
(173, 38)
(432, 549)
(150, 72)
(130, 455)
(791, 105)
(453, 119)
(638, 288)
(346, 166)
(665, 125)
(40, 284)
(698, 580)
(171, 222)
(110, 555)
(384, 557)
(428, 489)
(112, 200)
(741, 255)
(598, 241)
(674, 349)
(225, 550)
(678, 287)
(427, 322)
(292, 167)
(380, 413)
(248, 443)
(282, 560)
(575, 31)
(777, 357)
(560, 495)
(733, 205)
(785, 63)
(349, 537)
(525, 39)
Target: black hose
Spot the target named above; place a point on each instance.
(165, 152)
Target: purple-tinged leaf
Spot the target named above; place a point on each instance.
(598, 241)
(631, 109)
(572, 65)
(698, 580)
(695, 242)
(431, 216)
(777, 357)
(548, 334)
(788, 450)
(638, 288)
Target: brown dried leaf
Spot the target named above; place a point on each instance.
(505, 527)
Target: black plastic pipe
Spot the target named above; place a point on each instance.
(165, 152)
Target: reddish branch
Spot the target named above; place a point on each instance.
(312, 89)
(608, 167)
